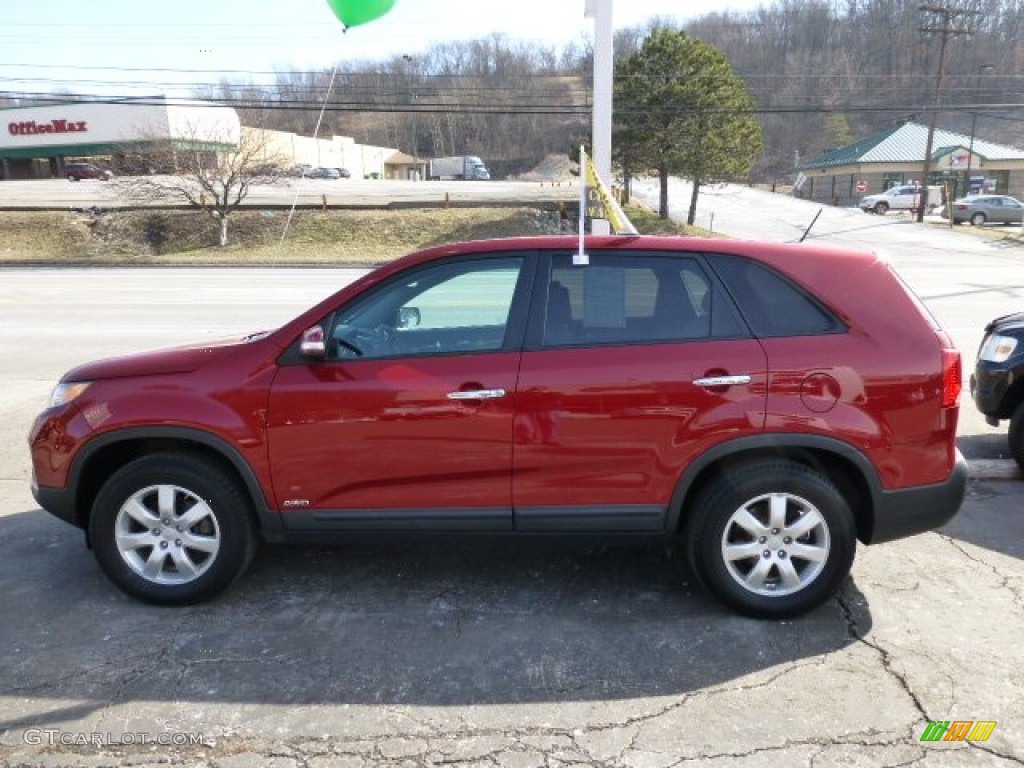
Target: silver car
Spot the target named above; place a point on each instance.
(982, 209)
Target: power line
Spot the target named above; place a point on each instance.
(428, 106)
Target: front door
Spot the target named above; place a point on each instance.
(407, 424)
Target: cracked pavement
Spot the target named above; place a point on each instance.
(491, 654)
(455, 653)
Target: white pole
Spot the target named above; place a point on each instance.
(580, 259)
(601, 12)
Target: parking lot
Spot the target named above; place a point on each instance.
(472, 652)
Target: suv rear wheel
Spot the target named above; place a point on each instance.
(771, 539)
(172, 529)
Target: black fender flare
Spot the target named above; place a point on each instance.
(778, 443)
(269, 520)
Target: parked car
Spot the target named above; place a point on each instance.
(268, 171)
(79, 171)
(344, 173)
(997, 385)
(324, 173)
(905, 197)
(986, 209)
(730, 398)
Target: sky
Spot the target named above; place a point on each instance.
(141, 47)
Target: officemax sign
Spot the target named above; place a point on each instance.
(32, 128)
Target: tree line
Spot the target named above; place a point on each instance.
(819, 73)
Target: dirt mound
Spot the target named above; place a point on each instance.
(551, 168)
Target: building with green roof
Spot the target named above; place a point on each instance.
(896, 156)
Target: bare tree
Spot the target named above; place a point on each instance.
(213, 176)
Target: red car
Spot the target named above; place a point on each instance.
(762, 406)
(79, 171)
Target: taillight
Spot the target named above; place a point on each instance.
(951, 374)
(961, 207)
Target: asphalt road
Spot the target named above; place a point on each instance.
(60, 193)
(465, 653)
(483, 654)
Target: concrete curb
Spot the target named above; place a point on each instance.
(994, 469)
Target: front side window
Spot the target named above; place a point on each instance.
(462, 307)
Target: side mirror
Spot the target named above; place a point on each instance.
(408, 317)
(313, 345)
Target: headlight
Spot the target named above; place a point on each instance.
(67, 391)
(997, 349)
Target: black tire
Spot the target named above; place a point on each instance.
(1016, 436)
(881, 208)
(797, 493)
(202, 539)
(977, 219)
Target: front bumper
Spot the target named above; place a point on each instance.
(59, 502)
(989, 384)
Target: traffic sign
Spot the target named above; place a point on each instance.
(862, 186)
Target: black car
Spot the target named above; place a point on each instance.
(997, 385)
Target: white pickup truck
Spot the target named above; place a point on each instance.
(906, 197)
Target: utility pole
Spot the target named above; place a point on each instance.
(974, 125)
(946, 23)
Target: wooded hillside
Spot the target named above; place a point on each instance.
(820, 73)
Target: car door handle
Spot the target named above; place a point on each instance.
(476, 394)
(722, 381)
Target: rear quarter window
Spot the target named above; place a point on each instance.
(771, 304)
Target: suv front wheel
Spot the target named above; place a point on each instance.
(771, 539)
(172, 529)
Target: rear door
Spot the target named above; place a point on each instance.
(634, 365)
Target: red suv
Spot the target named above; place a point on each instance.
(763, 406)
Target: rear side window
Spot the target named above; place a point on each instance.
(633, 299)
(771, 304)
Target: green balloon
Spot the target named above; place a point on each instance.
(352, 13)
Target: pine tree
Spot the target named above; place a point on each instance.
(681, 110)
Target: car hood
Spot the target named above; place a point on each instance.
(174, 360)
(1014, 322)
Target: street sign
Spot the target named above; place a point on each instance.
(862, 186)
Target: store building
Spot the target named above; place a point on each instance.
(896, 156)
(36, 142)
(362, 161)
